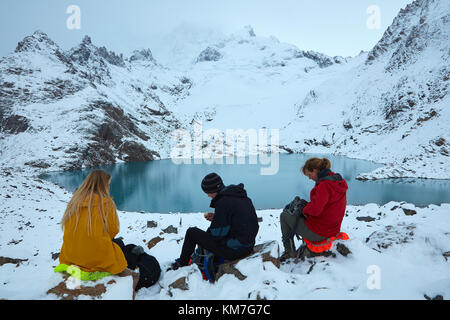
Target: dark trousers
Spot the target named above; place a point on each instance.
(196, 236)
(288, 222)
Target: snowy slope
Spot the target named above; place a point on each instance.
(393, 108)
(89, 106)
(410, 252)
(246, 81)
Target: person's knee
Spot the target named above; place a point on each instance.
(284, 217)
(191, 231)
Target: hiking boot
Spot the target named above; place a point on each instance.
(175, 265)
(289, 250)
(285, 256)
(302, 253)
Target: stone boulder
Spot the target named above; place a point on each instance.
(154, 242)
(17, 262)
(115, 287)
(267, 251)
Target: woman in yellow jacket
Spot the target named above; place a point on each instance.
(90, 224)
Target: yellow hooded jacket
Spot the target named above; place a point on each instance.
(94, 252)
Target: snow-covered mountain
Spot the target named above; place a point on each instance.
(84, 107)
(88, 106)
(66, 109)
(392, 108)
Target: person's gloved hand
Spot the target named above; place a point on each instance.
(300, 207)
(303, 203)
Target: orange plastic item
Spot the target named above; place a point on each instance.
(321, 246)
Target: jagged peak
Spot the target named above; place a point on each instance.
(250, 30)
(84, 46)
(86, 40)
(39, 33)
(141, 55)
(38, 41)
(412, 20)
(111, 57)
(86, 50)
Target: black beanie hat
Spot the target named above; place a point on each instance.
(212, 183)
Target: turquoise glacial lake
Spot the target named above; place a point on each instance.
(163, 186)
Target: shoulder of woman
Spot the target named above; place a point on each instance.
(95, 200)
(109, 200)
(323, 185)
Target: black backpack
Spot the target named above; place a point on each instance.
(149, 268)
(149, 271)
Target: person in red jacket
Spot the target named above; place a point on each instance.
(320, 218)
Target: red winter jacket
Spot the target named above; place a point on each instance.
(326, 209)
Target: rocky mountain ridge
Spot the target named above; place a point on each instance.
(393, 107)
(119, 115)
(89, 106)
(40, 77)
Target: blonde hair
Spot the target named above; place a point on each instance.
(95, 184)
(316, 163)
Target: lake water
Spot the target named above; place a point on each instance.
(162, 186)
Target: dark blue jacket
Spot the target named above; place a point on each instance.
(235, 223)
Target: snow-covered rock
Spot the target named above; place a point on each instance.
(209, 54)
(108, 288)
(142, 55)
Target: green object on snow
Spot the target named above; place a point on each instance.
(77, 273)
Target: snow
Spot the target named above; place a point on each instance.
(407, 250)
(389, 105)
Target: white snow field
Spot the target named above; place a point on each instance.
(88, 106)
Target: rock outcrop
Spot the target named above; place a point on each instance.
(265, 252)
(209, 54)
(114, 287)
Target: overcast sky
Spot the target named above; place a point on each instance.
(333, 27)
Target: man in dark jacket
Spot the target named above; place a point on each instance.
(234, 224)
